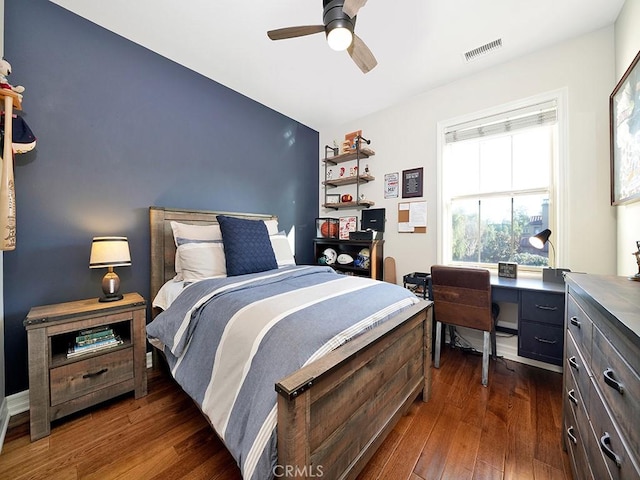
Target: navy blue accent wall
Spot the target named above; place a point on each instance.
(120, 128)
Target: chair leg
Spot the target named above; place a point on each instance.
(436, 360)
(494, 354)
(485, 359)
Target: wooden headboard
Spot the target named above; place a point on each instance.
(163, 248)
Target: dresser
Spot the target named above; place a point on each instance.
(601, 397)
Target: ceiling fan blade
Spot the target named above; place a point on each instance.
(361, 55)
(351, 7)
(291, 32)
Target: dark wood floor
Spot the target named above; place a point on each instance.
(510, 430)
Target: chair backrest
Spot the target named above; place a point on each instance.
(462, 296)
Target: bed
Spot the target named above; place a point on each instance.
(335, 409)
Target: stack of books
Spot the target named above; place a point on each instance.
(93, 340)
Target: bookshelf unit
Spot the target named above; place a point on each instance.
(359, 178)
(61, 384)
(352, 247)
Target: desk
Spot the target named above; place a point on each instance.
(540, 327)
(540, 315)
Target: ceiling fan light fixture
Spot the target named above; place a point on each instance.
(339, 38)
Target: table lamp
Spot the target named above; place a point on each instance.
(110, 252)
(548, 274)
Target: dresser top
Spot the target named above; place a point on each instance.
(617, 296)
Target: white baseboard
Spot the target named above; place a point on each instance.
(4, 421)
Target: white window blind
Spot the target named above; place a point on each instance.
(531, 116)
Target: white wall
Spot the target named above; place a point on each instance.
(404, 136)
(627, 38)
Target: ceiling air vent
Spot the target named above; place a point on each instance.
(483, 50)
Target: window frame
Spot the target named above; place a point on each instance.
(557, 196)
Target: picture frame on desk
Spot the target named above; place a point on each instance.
(507, 269)
(347, 224)
(624, 126)
(333, 198)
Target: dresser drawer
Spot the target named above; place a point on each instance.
(580, 326)
(575, 442)
(540, 341)
(619, 385)
(606, 436)
(85, 376)
(543, 307)
(576, 366)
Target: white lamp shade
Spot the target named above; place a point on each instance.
(110, 252)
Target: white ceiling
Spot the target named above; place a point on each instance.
(419, 45)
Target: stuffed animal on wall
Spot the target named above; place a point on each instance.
(5, 71)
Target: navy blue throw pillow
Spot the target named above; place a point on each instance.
(247, 247)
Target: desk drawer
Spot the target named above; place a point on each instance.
(543, 307)
(86, 376)
(541, 341)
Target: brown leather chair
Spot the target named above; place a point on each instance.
(462, 297)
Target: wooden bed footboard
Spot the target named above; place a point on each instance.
(334, 413)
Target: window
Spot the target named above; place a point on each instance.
(497, 186)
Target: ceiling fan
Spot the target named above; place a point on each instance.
(339, 18)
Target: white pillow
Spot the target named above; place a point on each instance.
(282, 250)
(200, 260)
(272, 226)
(185, 233)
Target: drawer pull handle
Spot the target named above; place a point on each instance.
(610, 380)
(605, 446)
(571, 436)
(573, 363)
(575, 322)
(547, 307)
(544, 340)
(572, 396)
(95, 374)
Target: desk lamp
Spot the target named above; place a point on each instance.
(548, 274)
(110, 252)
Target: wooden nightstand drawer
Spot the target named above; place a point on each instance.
(86, 376)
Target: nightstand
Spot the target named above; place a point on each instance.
(60, 383)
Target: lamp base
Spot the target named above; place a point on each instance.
(113, 298)
(554, 275)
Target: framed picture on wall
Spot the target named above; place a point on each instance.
(412, 183)
(624, 122)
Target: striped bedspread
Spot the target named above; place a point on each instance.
(229, 340)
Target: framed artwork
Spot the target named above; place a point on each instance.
(347, 224)
(412, 183)
(333, 198)
(624, 123)
(391, 185)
